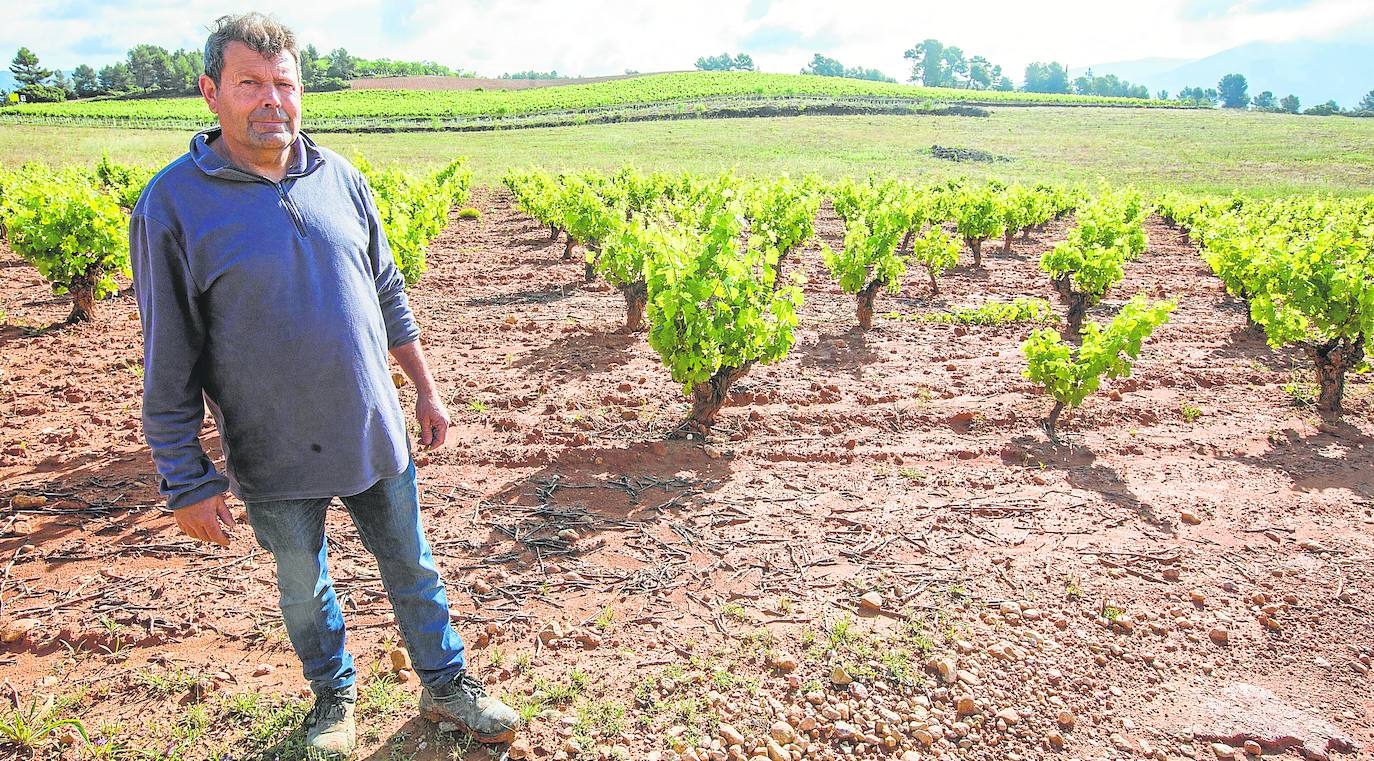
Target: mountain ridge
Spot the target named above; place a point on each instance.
(1314, 71)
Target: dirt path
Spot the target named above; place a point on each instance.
(634, 591)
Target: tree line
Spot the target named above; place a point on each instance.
(935, 64)
(1233, 91)
(151, 70)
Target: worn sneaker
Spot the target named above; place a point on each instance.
(465, 702)
(329, 726)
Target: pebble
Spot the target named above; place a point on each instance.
(263, 669)
(1190, 518)
(519, 749)
(785, 663)
(19, 628)
(1010, 716)
(839, 676)
(782, 732)
(400, 660)
(1219, 635)
(730, 735)
(1066, 719)
(871, 601)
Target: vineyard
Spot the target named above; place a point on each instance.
(757, 467)
(359, 108)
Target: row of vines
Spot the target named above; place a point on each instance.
(703, 261)
(73, 223)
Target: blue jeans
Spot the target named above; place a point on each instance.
(387, 517)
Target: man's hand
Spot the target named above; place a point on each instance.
(202, 520)
(434, 420)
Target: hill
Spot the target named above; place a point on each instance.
(1314, 71)
(680, 94)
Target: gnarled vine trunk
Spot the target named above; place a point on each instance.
(976, 247)
(1006, 240)
(84, 305)
(553, 232)
(568, 247)
(866, 297)
(1052, 422)
(589, 264)
(1078, 307)
(1332, 360)
(636, 298)
(906, 241)
(934, 286)
(709, 397)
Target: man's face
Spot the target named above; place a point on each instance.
(257, 100)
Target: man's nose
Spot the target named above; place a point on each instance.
(272, 98)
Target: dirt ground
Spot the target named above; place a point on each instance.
(1192, 566)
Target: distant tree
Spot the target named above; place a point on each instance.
(983, 74)
(829, 67)
(341, 64)
(1234, 91)
(1329, 108)
(935, 64)
(956, 67)
(1265, 101)
(1196, 96)
(1109, 86)
(1162, 95)
(185, 72)
(822, 66)
(928, 63)
(530, 75)
(1046, 77)
(724, 62)
(314, 66)
(115, 78)
(26, 69)
(60, 81)
(1367, 102)
(84, 81)
(1290, 104)
(151, 68)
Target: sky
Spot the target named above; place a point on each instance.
(595, 37)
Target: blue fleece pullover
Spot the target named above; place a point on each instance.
(276, 303)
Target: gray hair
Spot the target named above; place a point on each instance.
(264, 34)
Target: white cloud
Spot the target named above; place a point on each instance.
(591, 37)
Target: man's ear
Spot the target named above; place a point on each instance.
(209, 92)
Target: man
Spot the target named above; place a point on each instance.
(266, 286)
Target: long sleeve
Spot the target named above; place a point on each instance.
(173, 337)
(401, 327)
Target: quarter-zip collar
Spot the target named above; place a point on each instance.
(306, 158)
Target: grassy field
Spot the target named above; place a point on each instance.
(1212, 152)
(686, 87)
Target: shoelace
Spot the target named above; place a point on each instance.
(328, 707)
(469, 685)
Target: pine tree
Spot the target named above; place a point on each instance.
(26, 69)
